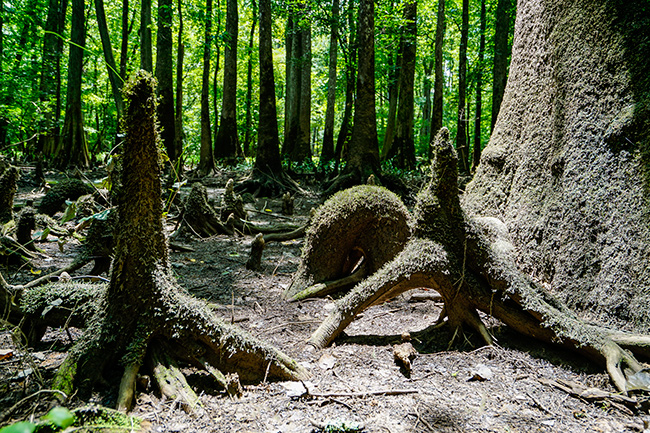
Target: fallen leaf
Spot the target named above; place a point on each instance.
(327, 361)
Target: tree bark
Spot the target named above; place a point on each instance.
(165, 77)
(463, 116)
(73, 149)
(327, 152)
(476, 154)
(146, 50)
(226, 146)
(126, 30)
(206, 159)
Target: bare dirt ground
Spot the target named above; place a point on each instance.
(459, 388)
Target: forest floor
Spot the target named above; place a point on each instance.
(356, 381)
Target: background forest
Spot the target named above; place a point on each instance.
(62, 65)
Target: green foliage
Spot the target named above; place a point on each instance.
(56, 419)
(24, 107)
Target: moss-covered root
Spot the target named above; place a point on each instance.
(366, 223)
(420, 264)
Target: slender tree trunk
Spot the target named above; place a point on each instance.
(113, 74)
(249, 86)
(217, 64)
(350, 83)
(206, 160)
(267, 159)
(124, 46)
(73, 149)
(4, 123)
(289, 35)
(50, 94)
(292, 119)
(165, 77)
(501, 55)
(178, 138)
(438, 81)
(226, 145)
(461, 130)
(388, 150)
(479, 88)
(425, 130)
(146, 51)
(404, 136)
(363, 152)
(302, 150)
(327, 152)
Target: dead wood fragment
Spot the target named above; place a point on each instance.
(254, 262)
(287, 204)
(581, 391)
(404, 353)
(171, 381)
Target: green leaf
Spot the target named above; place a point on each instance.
(70, 212)
(101, 216)
(19, 427)
(60, 417)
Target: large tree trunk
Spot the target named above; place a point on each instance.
(73, 149)
(566, 167)
(226, 145)
(165, 77)
(556, 214)
(143, 319)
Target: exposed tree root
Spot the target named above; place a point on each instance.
(262, 184)
(470, 263)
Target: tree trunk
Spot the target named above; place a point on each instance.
(438, 81)
(425, 129)
(463, 116)
(350, 82)
(404, 135)
(146, 50)
(267, 159)
(362, 156)
(302, 149)
(73, 150)
(178, 122)
(501, 55)
(50, 84)
(206, 159)
(248, 128)
(479, 90)
(126, 31)
(388, 150)
(226, 146)
(113, 74)
(165, 77)
(290, 32)
(294, 77)
(327, 152)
